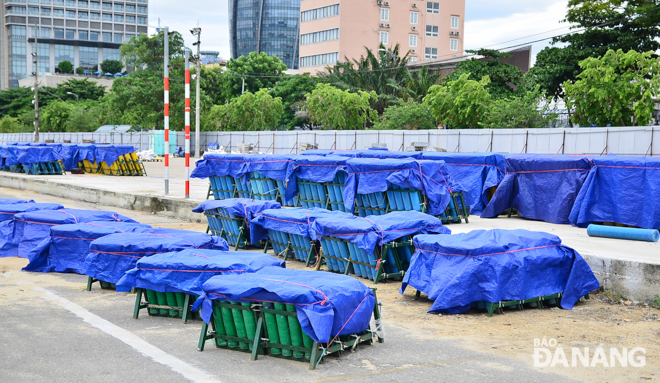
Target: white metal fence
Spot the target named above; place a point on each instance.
(623, 141)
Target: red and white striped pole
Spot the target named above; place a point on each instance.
(166, 71)
(187, 117)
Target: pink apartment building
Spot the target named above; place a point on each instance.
(333, 29)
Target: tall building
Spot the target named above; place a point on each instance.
(270, 26)
(84, 32)
(333, 29)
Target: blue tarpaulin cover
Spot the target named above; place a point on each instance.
(367, 176)
(27, 155)
(297, 220)
(476, 172)
(187, 270)
(377, 230)
(620, 189)
(327, 304)
(7, 212)
(111, 153)
(273, 166)
(382, 154)
(112, 255)
(67, 247)
(315, 169)
(9, 201)
(19, 236)
(240, 207)
(496, 265)
(87, 152)
(317, 152)
(220, 165)
(70, 157)
(540, 186)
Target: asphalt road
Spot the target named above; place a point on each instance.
(52, 330)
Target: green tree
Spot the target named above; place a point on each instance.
(258, 69)
(618, 89)
(337, 109)
(14, 101)
(460, 104)
(410, 115)
(85, 89)
(10, 124)
(212, 84)
(80, 70)
(419, 82)
(527, 110)
(610, 24)
(292, 90)
(148, 51)
(111, 66)
(55, 116)
(65, 67)
(250, 111)
(383, 73)
(504, 78)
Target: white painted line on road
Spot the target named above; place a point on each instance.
(143, 347)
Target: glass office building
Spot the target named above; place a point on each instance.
(269, 26)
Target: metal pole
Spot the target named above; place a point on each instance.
(197, 153)
(187, 119)
(36, 83)
(243, 87)
(166, 71)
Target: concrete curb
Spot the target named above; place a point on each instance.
(168, 207)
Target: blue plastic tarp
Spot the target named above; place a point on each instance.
(314, 169)
(327, 305)
(377, 230)
(317, 152)
(476, 172)
(496, 265)
(22, 234)
(9, 201)
(112, 255)
(70, 157)
(297, 221)
(367, 176)
(620, 189)
(383, 154)
(111, 153)
(220, 165)
(240, 207)
(540, 186)
(7, 212)
(86, 152)
(27, 155)
(273, 166)
(67, 247)
(187, 270)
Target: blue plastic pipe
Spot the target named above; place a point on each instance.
(630, 233)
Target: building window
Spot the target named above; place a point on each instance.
(111, 54)
(142, 20)
(130, 8)
(119, 7)
(141, 9)
(82, 15)
(34, 11)
(58, 2)
(432, 30)
(384, 37)
(58, 33)
(320, 13)
(63, 53)
(16, 10)
(94, 5)
(414, 16)
(412, 40)
(94, 36)
(323, 59)
(89, 57)
(83, 35)
(432, 7)
(70, 34)
(107, 6)
(454, 22)
(453, 44)
(319, 37)
(82, 4)
(118, 38)
(107, 17)
(384, 14)
(412, 59)
(431, 53)
(45, 2)
(107, 37)
(58, 12)
(70, 3)
(129, 36)
(44, 32)
(130, 19)
(94, 16)
(119, 18)
(45, 11)
(71, 14)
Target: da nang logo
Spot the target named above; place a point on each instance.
(548, 353)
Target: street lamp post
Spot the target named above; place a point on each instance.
(73, 94)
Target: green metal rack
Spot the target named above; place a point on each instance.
(171, 305)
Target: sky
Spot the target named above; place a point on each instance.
(488, 23)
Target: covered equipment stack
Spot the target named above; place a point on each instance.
(224, 174)
(268, 177)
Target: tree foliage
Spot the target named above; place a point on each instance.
(111, 66)
(618, 89)
(250, 111)
(337, 109)
(611, 24)
(410, 115)
(250, 68)
(65, 67)
(529, 110)
(504, 78)
(292, 90)
(460, 104)
(143, 51)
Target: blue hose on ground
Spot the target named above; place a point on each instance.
(630, 233)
